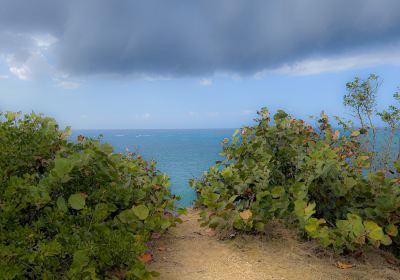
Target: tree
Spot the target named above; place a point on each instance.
(361, 98)
(391, 117)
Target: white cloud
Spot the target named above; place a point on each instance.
(33, 64)
(44, 41)
(35, 67)
(23, 72)
(205, 82)
(314, 66)
(3, 77)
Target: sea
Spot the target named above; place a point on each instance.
(182, 154)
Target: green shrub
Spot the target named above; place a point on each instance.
(314, 181)
(75, 210)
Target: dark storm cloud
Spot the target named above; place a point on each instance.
(184, 37)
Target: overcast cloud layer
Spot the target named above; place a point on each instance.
(177, 38)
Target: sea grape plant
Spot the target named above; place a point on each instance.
(312, 179)
(75, 210)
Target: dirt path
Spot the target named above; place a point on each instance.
(190, 252)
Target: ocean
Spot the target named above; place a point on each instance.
(183, 154)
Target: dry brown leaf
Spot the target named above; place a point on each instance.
(336, 135)
(81, 138)
(210, 232)
(161, 248)
(245, 215)
(391, 261)
(343, 265)
(355, 133)
(146, 258)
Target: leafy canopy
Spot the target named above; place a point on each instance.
(311, 180)
(75, 210)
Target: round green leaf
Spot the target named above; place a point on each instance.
(141, 211)
(127, 216)
(77, 201)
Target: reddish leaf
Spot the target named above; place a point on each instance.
(81, 138)
(146, 258)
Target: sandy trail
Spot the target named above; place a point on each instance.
(189, 252)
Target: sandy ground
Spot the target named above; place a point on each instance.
(189, 252)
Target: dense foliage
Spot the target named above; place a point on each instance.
(75, 210)
(312, 180)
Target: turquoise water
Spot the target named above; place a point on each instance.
(182, 154)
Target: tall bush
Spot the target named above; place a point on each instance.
(75, 210)
(312, 180)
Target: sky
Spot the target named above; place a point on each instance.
(191, 64)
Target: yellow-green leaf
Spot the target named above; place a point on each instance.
(141, 211)
(77, 201)
(355, 133)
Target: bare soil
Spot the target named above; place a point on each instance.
(189, 252)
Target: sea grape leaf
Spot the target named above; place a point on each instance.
(260, 227)
(349, 182)
(391, 229)
(313, 224)
(245, 215)
(355, 133)
(182, 211)
(357, 226)
(61, 204)
(232, 199)
(101, 212)
(127, 216)
(375, 233)
(107, 148)
(165, 223)
(309, 210)
(141, 211)
(336, 135)
(277, 192)
(77, 201)
(363, 158)
(226, 172)
(146, 258)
